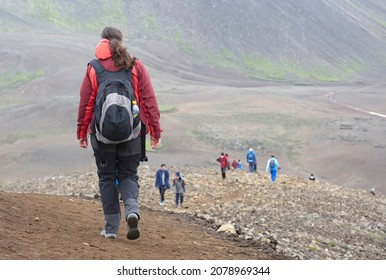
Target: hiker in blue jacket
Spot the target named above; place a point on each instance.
(272, 166)
(162, 182)
(251, 159)
(239, 165)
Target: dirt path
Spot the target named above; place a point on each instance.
(331, 97)
(54, 227)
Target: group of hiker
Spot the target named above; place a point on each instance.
(117, 108)
(163, 184)
(272, 164)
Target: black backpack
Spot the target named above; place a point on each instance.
(114, 119)
(272, 163)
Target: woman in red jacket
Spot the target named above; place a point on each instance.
(122, 159)
(223, 160)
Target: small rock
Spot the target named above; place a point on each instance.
(228, 228)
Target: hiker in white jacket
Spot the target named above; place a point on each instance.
(272, 166)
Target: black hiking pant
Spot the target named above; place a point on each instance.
(223, 172)
(117, 161)
(162, 190)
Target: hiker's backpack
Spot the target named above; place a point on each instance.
(272, 163)
(250, 157)
(114, 119)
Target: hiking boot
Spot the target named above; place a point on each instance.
(132, 226)
(108, 235)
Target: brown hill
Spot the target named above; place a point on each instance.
(215, 106)
(294, 218)
(60, 228)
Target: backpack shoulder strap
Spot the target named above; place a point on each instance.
(97, 65)
(128, 75)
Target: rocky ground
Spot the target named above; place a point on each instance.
(298, 218)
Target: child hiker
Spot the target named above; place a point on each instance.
(179, 188)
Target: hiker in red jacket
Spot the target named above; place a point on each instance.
(223, 164)
(234, 164)
(228, 161)
(124, 158)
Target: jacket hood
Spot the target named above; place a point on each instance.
(102, 50)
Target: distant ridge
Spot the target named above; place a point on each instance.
(328, 41)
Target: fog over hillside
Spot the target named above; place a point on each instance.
(282, 40)
(229, 75)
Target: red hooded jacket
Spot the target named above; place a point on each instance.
(223, 160)
(143, 90)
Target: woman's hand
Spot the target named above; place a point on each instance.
(83, 142)
(155, 142)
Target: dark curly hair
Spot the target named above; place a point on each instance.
(121, 55)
